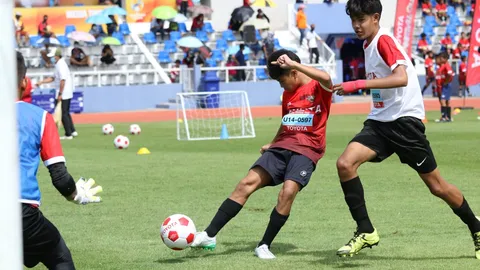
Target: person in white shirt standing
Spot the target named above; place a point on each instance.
(64, 90)
(394, 125)
(312, 38)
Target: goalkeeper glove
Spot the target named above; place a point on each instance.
(85, 192)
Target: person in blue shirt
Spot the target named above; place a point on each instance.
(240, 58)
(38, 138)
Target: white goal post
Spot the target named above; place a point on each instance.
(214, 116)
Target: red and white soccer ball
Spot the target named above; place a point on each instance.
(135, 129)
(108, 129)
(121, 142)
(178, 232)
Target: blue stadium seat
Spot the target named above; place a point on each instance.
(119, 36)
(450, 10)
(69, 29)
(149, 38)
(124, 29)
(262, 61)
(222, 44)
(170, 46)
(211, 62)
(175, 35)
(207, 27)
(464, 53)
(33, 41)
(217, 55)
(431, 20)
(228, 35)
(434, 3)
(164, 57)
(64, 42)
(276, 42)
(428, 30)
(182, 28)
(257, 35)
(261, 74)
(202, 35)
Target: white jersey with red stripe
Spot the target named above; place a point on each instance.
(37, 138)
(382, 56)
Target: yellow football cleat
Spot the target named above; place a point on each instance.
(358, 242)
(476, 242)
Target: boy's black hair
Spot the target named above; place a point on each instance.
(443, 55)
(21, 68)
(359, 8)
(275, 71)
(463, 57)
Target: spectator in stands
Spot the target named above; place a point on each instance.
(312, 39)
(97, 31)
(465, 41)
(457, 53)
(262, 16)
(457, 3)
(429, 72)
(157, 26)
(197, 23)
(447, 43)
(232, 73)
(184, 7)
(426, 8)
(268, 43)
(189, 59)
(423, 46)
(240, 59)
(20, 30)
(78, 57)
(44, 29)
(64, 90)
(173, 26)
(47, 60)
(112, 27)
(107, 55)
(301, 23)
(441, 9)
(174, 74)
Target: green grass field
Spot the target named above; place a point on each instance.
(417, 230)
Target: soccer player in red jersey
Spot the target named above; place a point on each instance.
(429, 72)
(438, 83)
(291, 157)
(462, 77)
(394, 126)
(444, 78)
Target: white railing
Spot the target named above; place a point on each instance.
(222, 73)
(325, 52)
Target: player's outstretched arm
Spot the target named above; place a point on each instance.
(316, 74)
(52, 155)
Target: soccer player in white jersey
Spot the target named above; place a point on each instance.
(394, 125)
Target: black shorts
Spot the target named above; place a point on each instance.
(404, 136)
(42, 242)
(284, 164)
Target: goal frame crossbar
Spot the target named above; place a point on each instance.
(183, 120)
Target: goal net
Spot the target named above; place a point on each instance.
(214, 115)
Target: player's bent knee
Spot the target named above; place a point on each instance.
(345, 165)
(289, 191)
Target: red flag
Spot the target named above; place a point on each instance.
(473, 65)
(405, 23)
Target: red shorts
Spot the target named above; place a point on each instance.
(462, 80)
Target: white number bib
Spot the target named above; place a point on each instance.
(302, 122)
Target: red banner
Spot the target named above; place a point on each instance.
(404, 23)
(473, 65)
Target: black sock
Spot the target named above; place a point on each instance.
(443, 110)
(277, 221)
(449, 112)
(465, 213)
(353, 191)
(228, 210)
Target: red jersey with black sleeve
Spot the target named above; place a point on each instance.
(305, 113)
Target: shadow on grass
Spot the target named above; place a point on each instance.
(317, 257)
